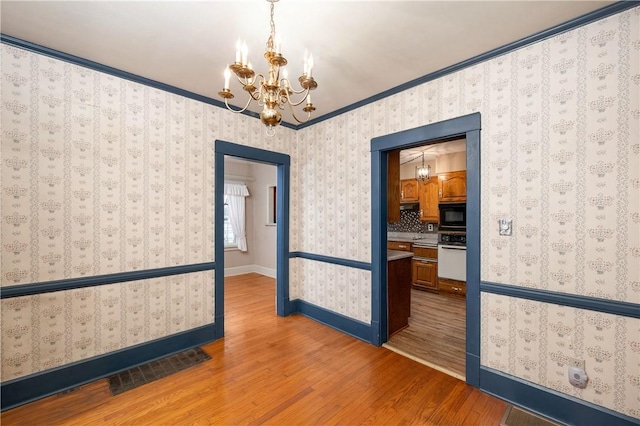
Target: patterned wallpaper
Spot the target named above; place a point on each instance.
(103, 175)
(534, 341)
(559, 155)
(45, 331)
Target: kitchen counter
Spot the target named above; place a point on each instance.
(413, 237)
(397, 255)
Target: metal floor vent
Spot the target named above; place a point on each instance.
(514, 416)
(138, 376)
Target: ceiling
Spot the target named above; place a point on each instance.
(431, 151)
(360, 48)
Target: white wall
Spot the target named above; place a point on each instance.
(451, 162)
(264, 235)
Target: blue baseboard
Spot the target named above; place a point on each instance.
(355, 328)
(557, 406)
(39, 385)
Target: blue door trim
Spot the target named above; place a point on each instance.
(283, 164)
(467, 126)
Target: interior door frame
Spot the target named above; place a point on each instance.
(467, 126)
(283, 165)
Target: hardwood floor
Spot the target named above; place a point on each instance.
(280, 371)
(436, 332)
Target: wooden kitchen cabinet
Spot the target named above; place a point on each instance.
(399, 294)
(409, 191)
(424, 269)
(399, 245)
(453, 288)
(429, 200)
(452, 187)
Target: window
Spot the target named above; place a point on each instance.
(229, 237)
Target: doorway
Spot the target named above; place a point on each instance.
(467, 127)
(434, 333)
(282, 163)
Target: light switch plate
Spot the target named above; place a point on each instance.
(504, 225)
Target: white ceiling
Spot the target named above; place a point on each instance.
(414, 155)
(360, 48)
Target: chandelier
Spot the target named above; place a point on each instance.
(423, 173)
(272, 91)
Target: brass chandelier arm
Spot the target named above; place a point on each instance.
(293, 113)
(304, 98)
(226, 102)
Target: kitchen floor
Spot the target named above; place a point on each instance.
(436, 333)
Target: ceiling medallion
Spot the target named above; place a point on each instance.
(272, 91)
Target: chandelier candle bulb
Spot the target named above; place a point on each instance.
(238, 52)
(245, 52)
(310, 67)
(278, 44)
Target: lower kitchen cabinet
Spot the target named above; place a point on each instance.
(424, 269)
(452, 287)
(399, 294)
(425, 275)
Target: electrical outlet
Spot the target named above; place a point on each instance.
(575, 362)
(430, 227)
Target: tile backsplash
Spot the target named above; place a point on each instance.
(410, 222)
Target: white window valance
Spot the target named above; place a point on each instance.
(236, 189)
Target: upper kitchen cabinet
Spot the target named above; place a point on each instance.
(452, 187)
(409, 191)
(393, 186)
(429, 200)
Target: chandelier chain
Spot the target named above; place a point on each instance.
(273, 25)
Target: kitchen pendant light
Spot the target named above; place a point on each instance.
(423, 173)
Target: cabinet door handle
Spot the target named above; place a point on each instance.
(401, 194)
(456, 289)
(420, 212)
(440, 192)
(402, 246)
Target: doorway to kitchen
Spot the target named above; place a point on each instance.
(467, 128)
(281, 194)
(431, 226)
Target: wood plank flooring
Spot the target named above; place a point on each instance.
(279, 371)
(436, 332)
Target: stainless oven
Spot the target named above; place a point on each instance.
(453, 217)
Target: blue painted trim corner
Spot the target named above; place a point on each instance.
(350, 326)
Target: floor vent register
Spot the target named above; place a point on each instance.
(514, 416)
(142, 374)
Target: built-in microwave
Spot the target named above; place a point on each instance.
(453, 217)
